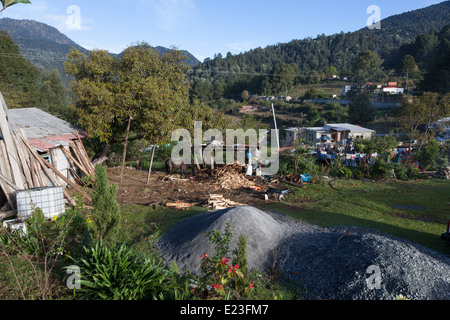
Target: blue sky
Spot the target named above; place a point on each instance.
(203, 27)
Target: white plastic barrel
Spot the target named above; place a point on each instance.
(49, 199)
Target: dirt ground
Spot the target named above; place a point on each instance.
(134, 190)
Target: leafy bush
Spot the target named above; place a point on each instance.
(401, 171)
(339, 171)
(381, 169)
(241, 254)
(119, 274)
(356, 173)
(428, 154)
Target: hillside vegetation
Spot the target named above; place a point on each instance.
(312, 60)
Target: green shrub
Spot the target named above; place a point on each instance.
(241, 254)
(106, 212)
(119, 274)
(401, 171)
(356, 173)
(339, 171)
(381, 169)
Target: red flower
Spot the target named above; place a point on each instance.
(251, 285)
(233, 269)
(204, 255)
(216, 286)
(224, 261)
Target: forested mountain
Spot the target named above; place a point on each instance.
(190, 59)
(40, 43)
(47, 48)
(314, 59)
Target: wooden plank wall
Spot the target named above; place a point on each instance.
(21, 167)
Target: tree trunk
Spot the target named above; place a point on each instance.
(151, 164)
(125, 149)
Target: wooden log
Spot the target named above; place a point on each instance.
(21, 151)
(92, 169)
(10, 144)
(74, 160)
(12, 185)
(7, 214)
(4, 164)
(179, 205)
(82, 159)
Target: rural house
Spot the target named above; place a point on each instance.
(330, 133)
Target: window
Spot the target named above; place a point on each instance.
(48, 158)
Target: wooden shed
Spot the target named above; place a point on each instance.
(38, 150)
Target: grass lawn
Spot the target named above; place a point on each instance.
(422, 215)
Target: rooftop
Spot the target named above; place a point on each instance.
(39, 124)
(340, 127)
(43, 130)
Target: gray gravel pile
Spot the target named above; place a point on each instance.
(344, 263)
(186, 242)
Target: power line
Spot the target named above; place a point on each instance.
(27, 56)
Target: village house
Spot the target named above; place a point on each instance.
(389, 87)
(247, 109)
(338, 133)
(393, 89)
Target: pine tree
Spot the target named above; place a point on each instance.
(106, 211)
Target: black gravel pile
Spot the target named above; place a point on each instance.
(345, 263)
(350, 263)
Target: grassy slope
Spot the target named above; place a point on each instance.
(368, 204)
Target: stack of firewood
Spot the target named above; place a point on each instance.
(231, 176)
(235, 167)
(217, 202)
(230, 180)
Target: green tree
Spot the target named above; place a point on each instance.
(409, 66)
(19, 78)
(106, 212)
(53, 97)
(366, 67)
(283, 76)
(140, 89)
(428, 155)
(8, 3)
(360, 110)
(421, 111)
(437, 79)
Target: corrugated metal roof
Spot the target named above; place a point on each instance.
(38, 124)
(41, 145)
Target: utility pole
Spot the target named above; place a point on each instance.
(407, 80)
(276, 129)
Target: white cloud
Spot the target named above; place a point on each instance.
(243, 46)
(171, 13)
